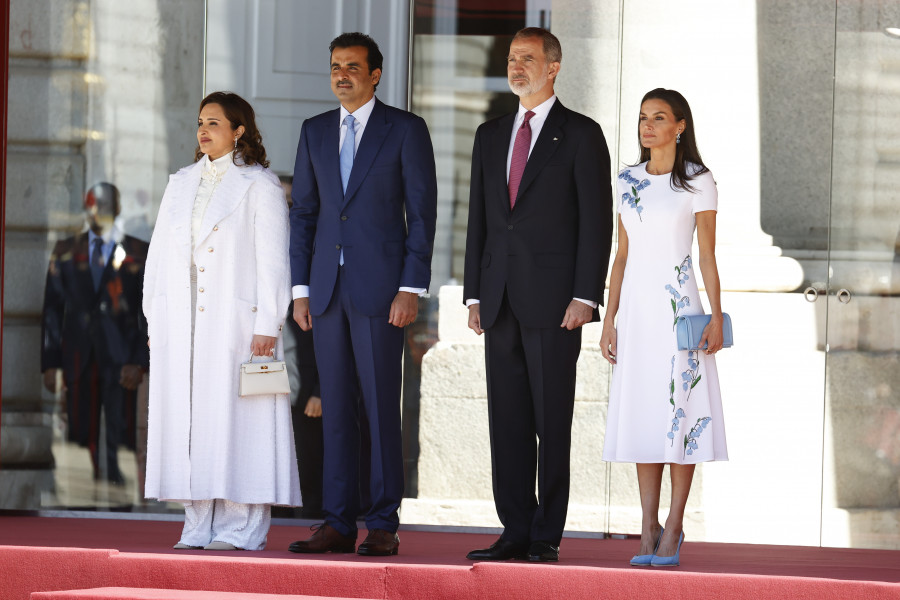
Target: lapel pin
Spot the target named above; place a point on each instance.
(555, 139)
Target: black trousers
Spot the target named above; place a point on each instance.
(531, 398)
(97, 391)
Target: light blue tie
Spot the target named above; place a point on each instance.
(348, 150)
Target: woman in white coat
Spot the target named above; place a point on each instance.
(216, 288)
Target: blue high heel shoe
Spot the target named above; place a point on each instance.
(668, 561)
(643, 560)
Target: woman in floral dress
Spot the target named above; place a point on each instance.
(664, 404)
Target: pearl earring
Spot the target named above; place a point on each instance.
(677, 139)
(235, 142)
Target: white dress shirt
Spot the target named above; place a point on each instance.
(536, 123)
(361, 115)
(213, 171)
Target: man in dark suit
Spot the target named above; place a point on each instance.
(539, 236)
(362, 233)
(93, 329)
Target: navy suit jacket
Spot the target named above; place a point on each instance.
(384, 224)
(79, 322)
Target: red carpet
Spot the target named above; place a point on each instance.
(50, 554)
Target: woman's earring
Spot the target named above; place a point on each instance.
(677, 139)
(235, 142)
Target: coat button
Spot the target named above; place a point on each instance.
(337, 247)
(200, 290)
(216, 228)
(200, 308)
(210, 249)
(344, 217)
(509, 227)
(201, 269)
(253, 309)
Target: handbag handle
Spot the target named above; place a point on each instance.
(252, 355)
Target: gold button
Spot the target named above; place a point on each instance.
(216, 228)
(200, 308)
(200, 290)
(253, 309)
(201, 269)
(210, 249)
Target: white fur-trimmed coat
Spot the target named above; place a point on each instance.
(208, 442)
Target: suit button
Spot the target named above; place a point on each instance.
(200, 308)
(337, 247)
(253, 309)
(210, 249)
(103, 306)
(344, 217)
(509, 227)
(200, 290)
(201, 269)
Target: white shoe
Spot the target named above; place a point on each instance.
(180, 546)
(220, 546)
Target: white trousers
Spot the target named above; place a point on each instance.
(242, 525)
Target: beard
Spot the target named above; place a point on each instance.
(526, 87)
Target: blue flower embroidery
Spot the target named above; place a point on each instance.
(691, 377)
(632, 198)
(682, 269)
(690, 440)
(679, 414)
(678, 301)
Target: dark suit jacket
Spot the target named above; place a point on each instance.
(385, 222)
(554, 246)
(80, 323)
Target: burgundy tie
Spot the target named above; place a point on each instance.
(519, 158)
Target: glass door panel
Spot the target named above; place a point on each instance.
(735, 64)
(861, 500)
(458, 81)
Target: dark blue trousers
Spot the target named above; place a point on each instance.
(359, 356)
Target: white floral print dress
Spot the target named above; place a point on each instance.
(664, 404)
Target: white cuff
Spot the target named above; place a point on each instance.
(416, 291)
(300, 291)
(588, 302)
(472, 301)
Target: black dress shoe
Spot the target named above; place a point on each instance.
(499, 550)
(543, 552)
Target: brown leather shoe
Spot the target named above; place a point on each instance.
(379, 543)
(325, 539)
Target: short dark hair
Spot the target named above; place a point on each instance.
(552, 47)
(347, 40)
(239, 112)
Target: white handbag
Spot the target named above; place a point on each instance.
(264, 378)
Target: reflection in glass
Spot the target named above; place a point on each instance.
(102, 103)
(94, 335)
(861, 499)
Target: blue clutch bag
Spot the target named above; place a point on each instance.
(689, 329)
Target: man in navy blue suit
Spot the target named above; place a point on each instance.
(362, 234)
